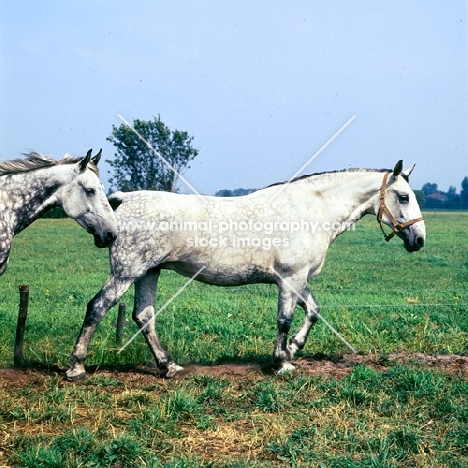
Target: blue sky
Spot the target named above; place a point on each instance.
(261, 85)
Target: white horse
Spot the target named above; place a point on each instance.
(257, 238)
(30, 187)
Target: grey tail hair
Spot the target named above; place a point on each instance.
(116, 199)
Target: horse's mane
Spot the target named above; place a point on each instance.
(318, 174)
(34, 161)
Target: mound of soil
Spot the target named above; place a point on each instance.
(318, 365)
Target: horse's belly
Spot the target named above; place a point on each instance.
(221, 275)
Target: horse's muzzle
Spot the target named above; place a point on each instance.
(414, 245)
(106, 239)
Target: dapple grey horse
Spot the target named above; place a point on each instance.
(278, 235)
(29, 187)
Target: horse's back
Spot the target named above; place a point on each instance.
(238, 239)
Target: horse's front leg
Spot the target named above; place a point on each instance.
(287, 301)
(143, 315)
(3, 263)
(5, 246)
(311, 308)
(106, 298)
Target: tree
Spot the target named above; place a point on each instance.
(233, 193)
(429, 188)
(464, 193)
(224, 193)
(420, 198)
(137, 167)
(453, 199)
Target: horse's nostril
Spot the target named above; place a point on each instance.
(110, 236)
(420, 242)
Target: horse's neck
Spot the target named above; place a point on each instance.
(26, 196)
(349, 195)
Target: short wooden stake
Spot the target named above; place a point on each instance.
(120, 324)
(21, 325)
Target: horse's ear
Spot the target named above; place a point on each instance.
(398, 168)
(97, 158)
(84, 162)
(408, 172)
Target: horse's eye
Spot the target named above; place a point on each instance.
(404, 198)
(90, 191)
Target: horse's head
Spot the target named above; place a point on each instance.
(399, 209)
(82, 198)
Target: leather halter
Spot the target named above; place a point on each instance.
(397, 227)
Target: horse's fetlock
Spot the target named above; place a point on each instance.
(73, 359)
(78, 355)
(163, 363)
(282, 356)
(314, 317)
(293, 342)
(293, 347)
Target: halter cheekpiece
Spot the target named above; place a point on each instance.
(397, 227)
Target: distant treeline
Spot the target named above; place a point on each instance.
(431, 197)
(234, 193)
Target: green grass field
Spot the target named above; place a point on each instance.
(379, 297)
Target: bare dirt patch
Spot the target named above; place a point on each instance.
(319, 365)
(15, 376)
(326, 366)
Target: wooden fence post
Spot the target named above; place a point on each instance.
(120, 323)
(21, 325)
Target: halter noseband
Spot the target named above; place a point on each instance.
(397, 227)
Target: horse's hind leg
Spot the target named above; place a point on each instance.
(311, 308)
(143, 315)
(106, 298)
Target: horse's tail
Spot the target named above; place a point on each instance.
(115, 199)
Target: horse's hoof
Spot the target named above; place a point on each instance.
(286, 368)
(172, 370)
(76, 374)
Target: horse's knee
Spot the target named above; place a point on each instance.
(142, 317)
(284, 325)
(92, 316)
